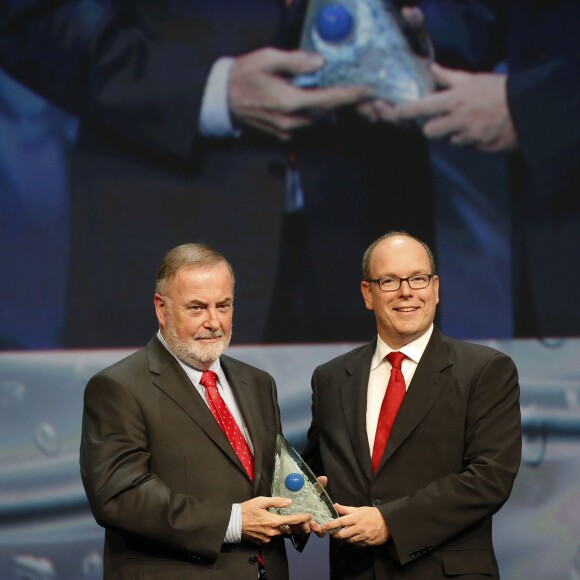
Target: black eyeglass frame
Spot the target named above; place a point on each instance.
(378, 281)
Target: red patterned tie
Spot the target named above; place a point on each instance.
(390, 407)
(227, 422)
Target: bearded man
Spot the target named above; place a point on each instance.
(178, 442)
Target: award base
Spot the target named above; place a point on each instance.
(294, 479)
(365, 43)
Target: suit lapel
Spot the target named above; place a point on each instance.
(430, 378)
(170, 378)
(353, 393)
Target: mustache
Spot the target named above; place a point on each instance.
(209, 334)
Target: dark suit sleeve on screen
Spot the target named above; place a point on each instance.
(120, 65)
(544, 101)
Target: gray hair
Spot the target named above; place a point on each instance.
(188, 256)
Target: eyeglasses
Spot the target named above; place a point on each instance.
(391, 284)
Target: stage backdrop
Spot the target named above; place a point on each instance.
(88, 207)
(47, 531)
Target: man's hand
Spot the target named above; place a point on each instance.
(260, 526)
(363, 526)
(262, 96)
(471, 109)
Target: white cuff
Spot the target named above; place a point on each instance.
(234, 531)
(214, 117)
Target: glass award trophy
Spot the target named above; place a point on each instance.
(294, 479)
(366, 43)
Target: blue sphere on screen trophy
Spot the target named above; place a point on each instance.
(334, 23)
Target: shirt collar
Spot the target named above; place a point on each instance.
(413, 350)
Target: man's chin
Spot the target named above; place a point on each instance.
(203, 355)
(209, 353)
(196, 355)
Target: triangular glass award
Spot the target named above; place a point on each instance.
(294, 479)
(366, 43)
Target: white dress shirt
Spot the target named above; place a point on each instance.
(381, 371)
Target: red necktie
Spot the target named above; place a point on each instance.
(227, 422)
(390, 407)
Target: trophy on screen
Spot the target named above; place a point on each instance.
(294, 479)
(366, 43)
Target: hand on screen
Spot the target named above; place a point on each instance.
(261, 94)
(470, 109)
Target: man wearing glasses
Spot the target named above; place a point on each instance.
(419, 434)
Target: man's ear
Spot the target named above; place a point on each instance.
(436, 288)
(365, 288)
(160, 304)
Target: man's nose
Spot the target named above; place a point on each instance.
(212, 320)
(405, 289)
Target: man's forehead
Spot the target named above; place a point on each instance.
(400, 252)
(213, 272)
(201, 280)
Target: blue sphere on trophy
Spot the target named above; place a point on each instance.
(293, 479)
(334, 22)
(294, 482)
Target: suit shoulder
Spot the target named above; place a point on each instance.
(130, 365)
(230, 363)
(461, 349)
(345, 359)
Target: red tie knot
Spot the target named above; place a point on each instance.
(396, 358)
(209, 379)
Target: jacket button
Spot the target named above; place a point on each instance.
(253, 559)
(376, 502)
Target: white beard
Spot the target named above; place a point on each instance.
(192, 352)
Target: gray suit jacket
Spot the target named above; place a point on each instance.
(161, 476)
(449, 464)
